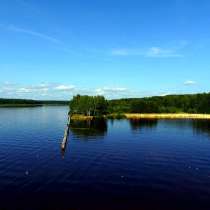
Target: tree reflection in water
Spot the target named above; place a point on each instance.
(201, 126)
(89, 129)
(137, 124)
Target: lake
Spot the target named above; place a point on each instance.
(114, 164)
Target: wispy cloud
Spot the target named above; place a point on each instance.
(33, 33)
(190, 82)
(43, 87)
(164, 94)
(111, 91)
(64, 87)
(157, 52)
(58, 44)
(152, 52)
(59, 91)
(45, 90)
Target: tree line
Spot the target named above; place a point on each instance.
(188, 103)
(5, 101)
(98, 105)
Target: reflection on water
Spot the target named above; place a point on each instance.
(164, 166)
(201, 126)
(137, 124)
(63, 149)
(86, 130)
(98, 127)
(89, 128)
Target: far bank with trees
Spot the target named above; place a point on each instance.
(178, 106)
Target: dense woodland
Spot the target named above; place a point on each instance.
(192, 103)
(97, 105)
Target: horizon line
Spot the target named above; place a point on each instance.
(64, 100)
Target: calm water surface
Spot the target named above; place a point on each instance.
(120, 164)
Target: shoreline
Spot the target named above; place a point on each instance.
(146, 116)
(27, 105)
(19, 105)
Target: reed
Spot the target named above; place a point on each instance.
(81, 117)
(167, 116)
(145, 116)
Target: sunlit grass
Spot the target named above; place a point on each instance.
(168, 116)
(81, 117)
(145, 116)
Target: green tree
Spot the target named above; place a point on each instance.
(88, 105)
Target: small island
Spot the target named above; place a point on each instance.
(188, 106)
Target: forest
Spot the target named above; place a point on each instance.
(98, 105)
(188, 103)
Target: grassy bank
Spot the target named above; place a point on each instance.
(146, 116)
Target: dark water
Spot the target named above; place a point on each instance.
(121, 164)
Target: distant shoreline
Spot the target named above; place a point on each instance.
(28, 105)
(12, 103)
(145, 116)
(19, 105)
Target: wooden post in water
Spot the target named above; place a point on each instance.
(66, 133)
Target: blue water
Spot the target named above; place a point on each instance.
(114, 164)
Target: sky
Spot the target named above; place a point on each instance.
(52, 49)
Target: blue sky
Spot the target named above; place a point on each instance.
(117, 48)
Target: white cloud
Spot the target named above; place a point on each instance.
(164, 94)
(58, 91)
(39, 91)
(111, 91)
(99, 91)
(127, 52)
(24, 90)
(32, 88)
(190, 82)
(64, 87)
